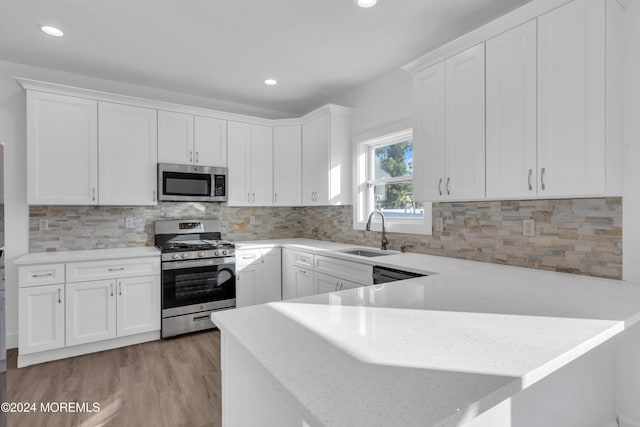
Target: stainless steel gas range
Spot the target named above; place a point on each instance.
(198, 274)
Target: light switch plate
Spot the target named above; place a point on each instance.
(43, 225)
(528, 228)
(439, 224)
(129, 222)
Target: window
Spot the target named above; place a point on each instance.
(385, 183)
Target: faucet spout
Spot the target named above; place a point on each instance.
(384, 242)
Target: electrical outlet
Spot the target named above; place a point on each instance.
(528, 228)
(43, 224)
(128, 222)
(439, 224)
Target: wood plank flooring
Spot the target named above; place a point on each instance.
(173, 382)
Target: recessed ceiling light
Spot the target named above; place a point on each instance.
(366, 3)
(52, 31)
(271, 82)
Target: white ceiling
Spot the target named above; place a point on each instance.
(224, 49)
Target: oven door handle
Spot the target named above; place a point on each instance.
(176, 265)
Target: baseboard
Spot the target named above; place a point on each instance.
(626, 422)
(79, 350)
(12, 340)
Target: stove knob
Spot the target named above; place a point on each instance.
(175, 256)
(185, 255)
(225, 252)
(216, 253)
(201, 254)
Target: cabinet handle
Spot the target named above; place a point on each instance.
(303, 272)
(93, 190)
(42, 275)
(529, 179)
(247, 257)
(59, 296)
(275, 197)
(448, 180)
(154, 195)
(341, 286)
(542, 171)
(191, 156)
(262, 260)
(116, 269)
(440, 186)
(254, 197)
(120, 288)
(336, 286)
(111, 288)
(196, 157)
(304, 259)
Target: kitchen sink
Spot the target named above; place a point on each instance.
(365, 252)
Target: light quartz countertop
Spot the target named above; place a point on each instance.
(87, 255)
(433, 351)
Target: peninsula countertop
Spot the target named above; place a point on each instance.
(443, 348)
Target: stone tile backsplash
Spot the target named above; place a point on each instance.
(581, 236)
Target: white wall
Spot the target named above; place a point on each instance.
(628, 345)
(381, 105)
(13, 135)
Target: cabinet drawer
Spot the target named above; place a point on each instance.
(351, 271)
(303, 259)
(100, 270)
(249, 256)
(43, 274)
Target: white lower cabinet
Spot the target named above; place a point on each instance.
(297, 274)
(258, 276)
(325, 283)
(72, 317)
(91, 311)
(41, 325)
(138, 307)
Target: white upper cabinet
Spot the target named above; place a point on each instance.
(287, 165)
(175, 138)
(239, 161)
(187, 139)
(464, 125)
(127, 141)
(450, 97)
(429, 139)
(250, 160)
(210, 141)
(511, 113)
(62, 144)
(326, 157)
(261, 165)
(315, 161)
(571, 100)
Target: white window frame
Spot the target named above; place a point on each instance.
(362, 203)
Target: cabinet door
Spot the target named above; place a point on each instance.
(91, 311)
(138, 305)
(287, 166)
(571, 96)
(288, 274)
(127, 154)
(41, 318)
(210, 141)
(304, 283)
(465, 125)
(175, 137)
(347, 284)
(315, 161)
(261, 165)
(269, 284)
(239, 160)
(511, 113)
(62, 150)
(428, 145)
(324, 283)
(247, 277)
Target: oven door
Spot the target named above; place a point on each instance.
(190, 286)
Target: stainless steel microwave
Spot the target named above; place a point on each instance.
(191, 183)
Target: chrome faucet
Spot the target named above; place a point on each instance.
(384, 242)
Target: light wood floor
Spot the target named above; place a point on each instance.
(173, 382)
